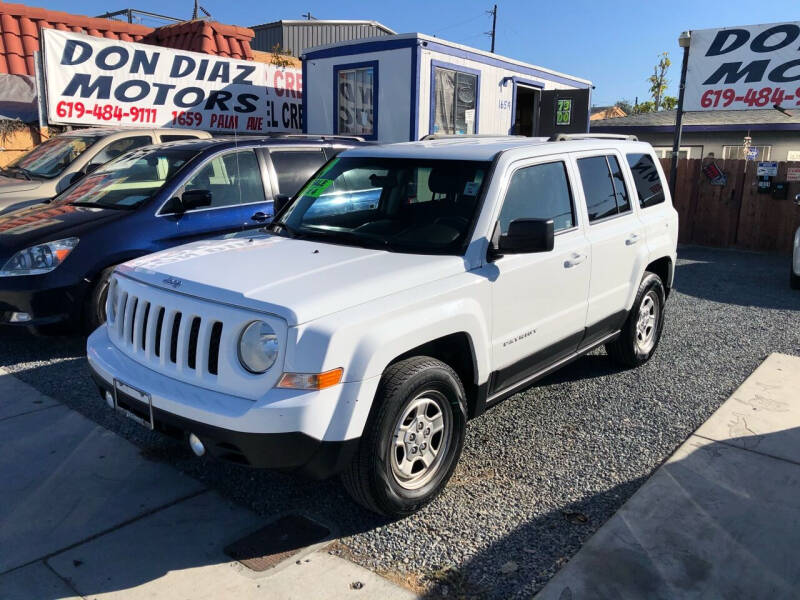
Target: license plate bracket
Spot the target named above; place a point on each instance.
(126, 398)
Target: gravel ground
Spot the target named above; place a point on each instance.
(540, 472)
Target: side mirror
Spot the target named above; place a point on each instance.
(279, 202)
(91, 167)
(192, 199)
(527, 235)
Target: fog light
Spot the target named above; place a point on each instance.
(19, 317)
(196, 445)
(109, 400)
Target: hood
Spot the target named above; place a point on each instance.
(47, 222)
(12, 185)
(298, 280)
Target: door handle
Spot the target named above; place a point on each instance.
(574, 260)
(632, 239)
(259, 216)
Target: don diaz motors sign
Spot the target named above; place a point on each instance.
(96, 81)
(738, 68)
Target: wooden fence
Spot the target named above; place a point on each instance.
(734, 215)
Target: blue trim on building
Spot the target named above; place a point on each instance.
(457, 68)
(515, 81)
(375, 95)
(391, 44)
(363, 48)
(634, 129)
(416, 68)
(304, 102)
(504, 64)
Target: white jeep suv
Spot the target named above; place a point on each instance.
(404, 290)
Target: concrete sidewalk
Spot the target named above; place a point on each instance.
(84, 515)
(720, 518)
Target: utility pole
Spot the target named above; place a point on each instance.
(491, 33)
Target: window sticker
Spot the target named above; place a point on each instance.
(317, 187)
(471, 188)
(564, 111)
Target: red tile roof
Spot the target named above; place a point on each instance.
(20, 25)
(208, 37)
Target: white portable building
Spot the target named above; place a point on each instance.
(400, 88)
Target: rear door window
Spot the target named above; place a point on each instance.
(294, 167)
(598, 188)
(120, 147)
(649, 186)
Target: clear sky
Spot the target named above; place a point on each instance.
(615, 44)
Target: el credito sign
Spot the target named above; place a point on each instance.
(97, 81)
(739, 68)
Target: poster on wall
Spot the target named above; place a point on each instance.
(741, 68)
(97, 81)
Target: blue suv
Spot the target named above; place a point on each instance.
(56, 258)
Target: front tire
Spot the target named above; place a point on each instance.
(412, 440)
(96, 307)
(641, 333)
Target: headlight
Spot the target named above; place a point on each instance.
(258, 347)
(111, 301)
(39, 259)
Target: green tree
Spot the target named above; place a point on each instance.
(669, 102)
(658, 80)
(644, 107)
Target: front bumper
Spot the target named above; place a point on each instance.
(46, 305)
(285, 429)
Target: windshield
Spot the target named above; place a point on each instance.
(406, 205)
(129, 180)
(50, 158)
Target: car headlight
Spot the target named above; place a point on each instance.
(258, 347)
(39, 259)
(111, 300)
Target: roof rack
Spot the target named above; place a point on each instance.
(313, 136)
(455, 136)
(563, 137)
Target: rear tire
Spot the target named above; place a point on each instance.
(794, 280)
(412, 440)
(96, 307)
(641, 333)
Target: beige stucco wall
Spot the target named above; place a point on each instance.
(781, 141)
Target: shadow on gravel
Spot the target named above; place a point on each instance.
(718, 520)
(741, 278)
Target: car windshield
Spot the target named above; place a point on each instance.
(405, 205)
(129, 180)
(50, 158)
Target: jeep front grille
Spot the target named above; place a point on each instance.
(187, 338)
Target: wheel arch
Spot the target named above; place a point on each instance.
(665, 269)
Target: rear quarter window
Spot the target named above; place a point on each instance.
(649, 186)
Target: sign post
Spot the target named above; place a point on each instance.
(683, 42)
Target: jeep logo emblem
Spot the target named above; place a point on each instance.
(173, 282)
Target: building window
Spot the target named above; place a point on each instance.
(683, 152)
(356, 93)
(755, 152)
(455, 101)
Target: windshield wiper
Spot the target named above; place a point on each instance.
(101, 205)
(290, 230)
(25, 172)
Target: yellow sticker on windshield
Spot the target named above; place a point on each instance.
(316, 188)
